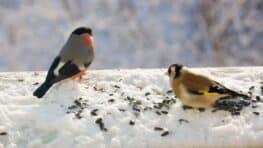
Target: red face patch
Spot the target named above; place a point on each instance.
(88, 39)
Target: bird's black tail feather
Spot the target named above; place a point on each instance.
(237, 94)
(40, 92)
(223, 90)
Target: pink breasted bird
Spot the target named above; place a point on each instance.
(73, 60)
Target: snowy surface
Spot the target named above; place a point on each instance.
(128, 112)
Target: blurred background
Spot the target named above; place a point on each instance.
(132, 33)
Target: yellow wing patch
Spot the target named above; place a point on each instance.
(211, 94)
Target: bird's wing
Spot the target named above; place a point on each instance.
(54, 64)
(219, 88)
(67, 70)
(196, 82)
(50, 74)
(201, 85)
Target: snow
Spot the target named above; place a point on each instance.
(117, 110)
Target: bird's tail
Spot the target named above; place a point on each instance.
(40, 92)
(237, 94)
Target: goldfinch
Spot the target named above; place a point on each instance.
(72, 61)
(197, 90)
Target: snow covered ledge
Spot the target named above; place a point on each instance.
(124, 108)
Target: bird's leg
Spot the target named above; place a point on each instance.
(78, 75)
(80, 78)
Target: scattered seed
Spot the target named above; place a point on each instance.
(122, 110)
(130, 99)
(21, 80)
(256, 113)
(159, 106)
(251, 88)
(111, 100)
(165, 133)
(98, 120)
(254, 101)
(138, 102)
(245, 103)
(101, 124)
(158, 113)
(166, 101)
(183, 120)
(131, 122)
(232, 106)
(235, 113)
(158, 128)
(85, 104)
(169, 91)
(147, 94)
(110, 94)
(36, 83)
(201, 109)
(258, 98)
(186, 107)
(3, 133)
(147, 108)
(214, 110)
(164, 112)
(136, 109)
(72, 107)
(98, 89)
(94, 112)
(78, 114)
(122, 94)
(136, 106)
(116, 86)
(77, 103)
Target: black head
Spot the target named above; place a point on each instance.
(174, 70)
(82, 30)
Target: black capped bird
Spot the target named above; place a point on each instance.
(197, 90)
(73, 60)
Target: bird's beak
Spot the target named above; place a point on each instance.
(166, 73)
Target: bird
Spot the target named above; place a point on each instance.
(195, 89)
(73, 60)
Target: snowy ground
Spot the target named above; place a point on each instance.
(124, 108)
